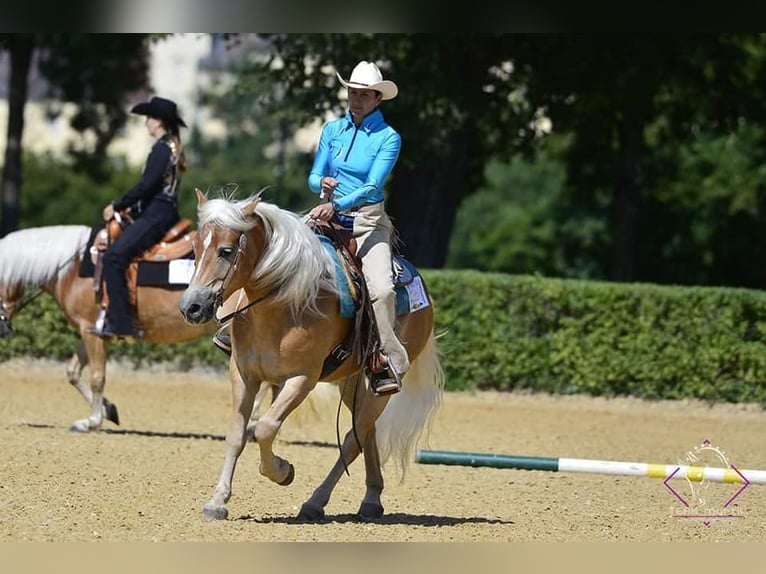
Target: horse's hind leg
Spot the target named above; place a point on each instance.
(371, 507)
(95, 350)
(243, 397)
(369, 408)
(74, 370)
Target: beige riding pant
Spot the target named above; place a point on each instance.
(373, 230)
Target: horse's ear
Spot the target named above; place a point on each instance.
(249, 209)
(201, 199)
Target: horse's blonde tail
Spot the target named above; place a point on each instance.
(409, 414)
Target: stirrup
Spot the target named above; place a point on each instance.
(107, 332)
(387, 382)
(222, 340)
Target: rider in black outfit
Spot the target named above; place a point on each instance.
(153, 206)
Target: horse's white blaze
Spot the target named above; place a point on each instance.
(205, 244)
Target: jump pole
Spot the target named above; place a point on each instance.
(664, 471)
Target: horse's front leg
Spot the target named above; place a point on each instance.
(264, 389)
(74, 370)
(94, 348)
(291, 394)
(243, 396)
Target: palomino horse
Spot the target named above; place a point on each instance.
(283, 336)
(48, 258)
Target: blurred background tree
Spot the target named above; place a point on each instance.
(95, 71)
(627, 158)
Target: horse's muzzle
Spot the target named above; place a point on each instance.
(197, 305)
(5, 328)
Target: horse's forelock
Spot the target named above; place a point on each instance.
(227, 214)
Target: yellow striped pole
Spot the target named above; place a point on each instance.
(731, 474)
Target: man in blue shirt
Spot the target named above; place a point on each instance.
(355, 155)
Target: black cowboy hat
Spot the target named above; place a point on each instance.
(159, 108)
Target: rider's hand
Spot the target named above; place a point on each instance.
(328, 185)
(323, 212)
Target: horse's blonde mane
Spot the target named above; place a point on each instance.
(36, 256)
(294, 261)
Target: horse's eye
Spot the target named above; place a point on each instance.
(225, 252)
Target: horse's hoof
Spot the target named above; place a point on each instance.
(370, 511)
(215, 512)
(311, 513)
(111, 413)
(80, 426)
(289, 478)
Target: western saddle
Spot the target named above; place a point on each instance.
(175, 244)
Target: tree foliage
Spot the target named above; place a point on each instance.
(95, 71)
(629, 100)
(467, 98)
(453, 112)
(650, 171)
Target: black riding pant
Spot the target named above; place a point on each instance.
(136, 238)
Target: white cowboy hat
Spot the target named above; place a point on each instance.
(367, 76)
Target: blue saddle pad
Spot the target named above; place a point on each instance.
(347, 303)
(410, 290)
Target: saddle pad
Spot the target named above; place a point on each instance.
(150, 273)
(162, 273)
(404, 271)
(408, 284)
(410, 291)
(347, 304)
(411, 297)
(86, 264)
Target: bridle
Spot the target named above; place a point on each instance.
(5, 311)
(218, 298)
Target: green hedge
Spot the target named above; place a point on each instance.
(509, 332)
(566, 336)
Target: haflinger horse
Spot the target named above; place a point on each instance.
(284, 334)
(48, 258)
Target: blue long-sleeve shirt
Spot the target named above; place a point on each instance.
(359, 158)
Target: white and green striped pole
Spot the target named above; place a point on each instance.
(664, 471)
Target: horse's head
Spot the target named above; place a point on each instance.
(226, 249)
(9, 298)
